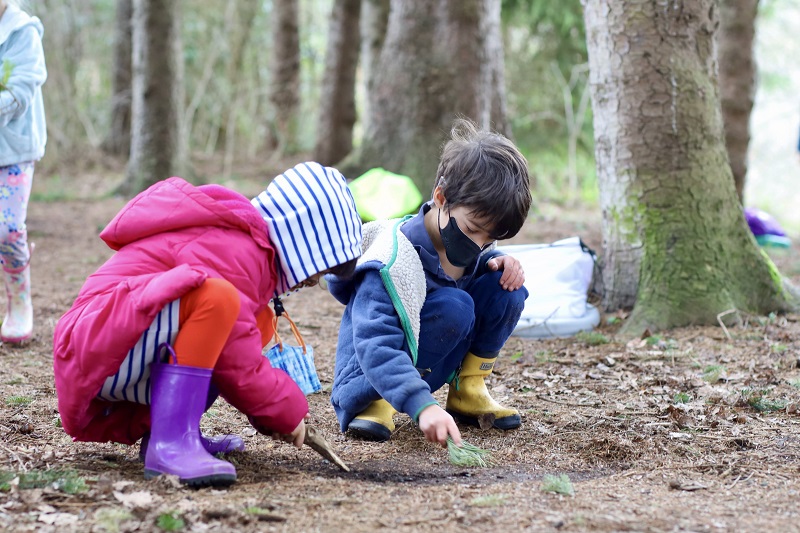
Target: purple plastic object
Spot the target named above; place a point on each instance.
(177, 401)
(762, 223)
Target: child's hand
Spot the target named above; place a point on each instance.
(296, 437)
(437, 424)
(513, 276)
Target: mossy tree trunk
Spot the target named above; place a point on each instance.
(676, 246)
(737, 81)
(435, 64)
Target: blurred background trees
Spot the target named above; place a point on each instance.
(260, 85)
(260, 81)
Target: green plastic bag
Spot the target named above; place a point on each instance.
(381, 195)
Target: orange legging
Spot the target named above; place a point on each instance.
(207, 316)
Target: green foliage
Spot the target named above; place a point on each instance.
(758, 400)
(795, 383)
(516, 356)
(490, 500)
(547, 76)
(713, 373)
(111, 519)
(682, 397)
(18, 400)
(67, 481)
(591, 338)
(170, 522)
(468, 454)
(559, 484)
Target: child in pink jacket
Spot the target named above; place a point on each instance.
(180, 314)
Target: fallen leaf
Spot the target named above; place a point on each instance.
(132, 500)
(486, 421)
(688, 486)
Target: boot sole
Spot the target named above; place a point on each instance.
(16, 340)
(368, 430)
(505, 423)
(214, 480)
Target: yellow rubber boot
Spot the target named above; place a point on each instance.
(374, 423)
(468, 400)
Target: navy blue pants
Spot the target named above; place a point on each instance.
(478, 319)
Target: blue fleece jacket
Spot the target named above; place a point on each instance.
(23, 132)
(372, 357)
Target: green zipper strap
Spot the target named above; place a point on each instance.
(386, 276)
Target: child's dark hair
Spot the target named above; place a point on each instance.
(345, 270)
(484, 172)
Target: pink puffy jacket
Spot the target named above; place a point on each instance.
(169, 239)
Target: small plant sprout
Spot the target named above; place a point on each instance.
(18, 400)
(468, 455)
(490, 500)
(67, 481)
(682, 397)
(758, 401)
(713, 373)
(795, 383)
(170, 522)
(591, 338)
(516, 356)
(559, 484)
(110, 519)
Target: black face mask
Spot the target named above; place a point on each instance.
(460, 250)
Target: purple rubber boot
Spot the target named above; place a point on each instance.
(213, 445)
(177, 401)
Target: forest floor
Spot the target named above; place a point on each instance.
(696, 429)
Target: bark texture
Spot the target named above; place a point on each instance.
(156, 151)
(118, 141)
(337, 101)
(374, 21)
(285, 86)
(737, 81)
(676, 245)
(435, 65)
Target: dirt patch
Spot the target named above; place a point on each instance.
(694, 430)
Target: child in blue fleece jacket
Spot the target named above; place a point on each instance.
(432, 301)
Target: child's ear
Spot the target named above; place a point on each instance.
(438, 197)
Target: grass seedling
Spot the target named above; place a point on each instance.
(559, 484)
(490, 500)
(758, 401)
(468, 454)
(591, 338)
(18, 400)
(111, 520)
(67, 481)
(713, 373)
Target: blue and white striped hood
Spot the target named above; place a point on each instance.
(312, 221)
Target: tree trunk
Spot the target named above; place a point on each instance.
(737, 81)
(118, 141)
(435, 65)
(374, 21)
(675, 240)
(337, 106)
(285, 88)
(156, 151)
